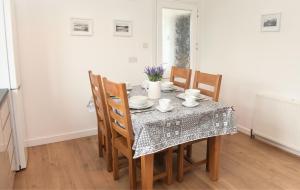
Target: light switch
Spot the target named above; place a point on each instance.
(91, 106)
(145, 45)
(132, 60)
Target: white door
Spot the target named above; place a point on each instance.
(177, 38)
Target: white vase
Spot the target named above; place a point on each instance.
(154, 90)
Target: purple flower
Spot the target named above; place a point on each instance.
(154, 73)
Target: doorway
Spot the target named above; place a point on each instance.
(176, 35)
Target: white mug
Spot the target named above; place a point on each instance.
(164, 103)
(193, 92)
(153, 90)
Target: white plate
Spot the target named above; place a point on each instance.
(168, 89)
(148, 105)
(183, 95)
(190, 106)
(132, 105)
(164, 110)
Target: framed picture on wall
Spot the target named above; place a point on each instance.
(122, 28)
(81, 27)
(271, 22)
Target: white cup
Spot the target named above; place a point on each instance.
(192, 92)
(164, 103)
(128, 85)
(190, 100)
(166, 85)
(145, 84)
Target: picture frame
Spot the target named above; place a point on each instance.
(122, 28)
(271, 22)
(81, 27)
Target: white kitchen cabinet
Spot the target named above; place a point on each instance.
(7, 150)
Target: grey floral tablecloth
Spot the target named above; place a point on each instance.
(155, 131)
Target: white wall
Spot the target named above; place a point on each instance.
(55, 64)
(251, 61)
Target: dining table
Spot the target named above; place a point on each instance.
(155, 131)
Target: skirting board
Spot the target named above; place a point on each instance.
(91, 132)
(247, 131)
(61, 137)
(244, 130)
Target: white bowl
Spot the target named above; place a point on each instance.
(139, 100)
(192, 92)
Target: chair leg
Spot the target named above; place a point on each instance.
(115, 163)
(180, 162)
(169, 166)
(100, 140)
(189, 150)
(108, 155)
(132, 173)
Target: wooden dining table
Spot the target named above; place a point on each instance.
(214, 163)
(155, 131)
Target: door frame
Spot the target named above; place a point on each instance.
(193, 7)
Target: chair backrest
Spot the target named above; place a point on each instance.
(100, 103)
(181, 74)
(118, 110)
(213, 81)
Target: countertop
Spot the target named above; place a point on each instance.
(3, 93)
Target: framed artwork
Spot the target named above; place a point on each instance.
(81, 27)
(271, 22)
(122, 28)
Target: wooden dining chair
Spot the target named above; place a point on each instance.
(104, 133)
(185, 162)
(122, 133)
(178, 74)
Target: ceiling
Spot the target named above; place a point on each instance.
(186, 1)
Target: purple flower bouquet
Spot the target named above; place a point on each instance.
(154, 73)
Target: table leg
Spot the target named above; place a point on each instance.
(214, 147)
(147, 171)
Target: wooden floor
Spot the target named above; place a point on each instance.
(245, 164)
